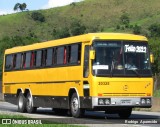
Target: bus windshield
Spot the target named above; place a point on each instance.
(121, 58)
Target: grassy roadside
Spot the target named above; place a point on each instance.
(22, 118)
(157, 93)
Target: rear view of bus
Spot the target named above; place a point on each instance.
(121, 74)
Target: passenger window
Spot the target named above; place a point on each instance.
(14, 60)
(60, 55)
(33, 59)
(39, 58)
(75, 54)
(28, 60)
(54, 57)
(65, 55)
(69, 54)
(18, 61)
(79, 53)
(22, 60)
(9, 62)
(44, 57)
(49, 57)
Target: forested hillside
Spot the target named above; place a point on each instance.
(130, 16)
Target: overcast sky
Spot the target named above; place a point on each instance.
(6, 6)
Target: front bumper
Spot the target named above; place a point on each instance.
(95, 103)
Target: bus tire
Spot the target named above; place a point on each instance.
(124, 114)
(29, 104)
(21, 103)
(74, 105)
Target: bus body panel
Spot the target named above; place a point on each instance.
(50, 86)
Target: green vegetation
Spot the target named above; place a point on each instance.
(37, 16)
(157, 93)
(100, 14)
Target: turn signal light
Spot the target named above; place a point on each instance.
(99, 94)
(148, 94)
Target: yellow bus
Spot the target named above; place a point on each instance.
(108, 72)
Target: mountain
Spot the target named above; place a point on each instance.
(96, 15)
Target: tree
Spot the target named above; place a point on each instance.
(155, 30)
(77, 28)
(154, 44)
(37, 16)
(61, 33)
(16, 6)
(125, 19)
(22, 7)
(136, 29)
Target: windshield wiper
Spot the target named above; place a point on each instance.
(135, 71)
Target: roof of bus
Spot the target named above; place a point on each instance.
(81, 38)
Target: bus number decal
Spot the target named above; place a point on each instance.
(103, 83)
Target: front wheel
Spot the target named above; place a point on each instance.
(76, 111)
(29, 104)
(124, 114)
(21, 103)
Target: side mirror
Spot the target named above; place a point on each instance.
(92, 54)
(151, 58)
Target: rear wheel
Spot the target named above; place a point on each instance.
(124, 114)
(21, 103)
(29, 104)
(76, 111)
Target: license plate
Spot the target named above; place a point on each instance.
(126, 102)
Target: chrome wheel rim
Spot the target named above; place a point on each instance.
(20, 102)
(74, 105)
(29, 102)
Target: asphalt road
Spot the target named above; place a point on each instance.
(91, 118)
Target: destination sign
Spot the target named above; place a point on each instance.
(132, 48)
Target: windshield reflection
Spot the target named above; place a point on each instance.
(121, 58)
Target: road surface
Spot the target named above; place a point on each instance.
(92, 119)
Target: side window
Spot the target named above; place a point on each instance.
(44, 57)
(54, 57)
(69, 54)
(60, 55)
(23, 60)
(39, 58)
(79, 53)
(28, 60)
(8, 63)
(49, 58)
(65, 55)
(14, 60)
(18, 61)
(86, 62)
(33, 59)
(75, 54)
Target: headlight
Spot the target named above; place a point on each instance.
(101, 102)
(104, 101)
(107, 101)
(148, 101)
(143, 101)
